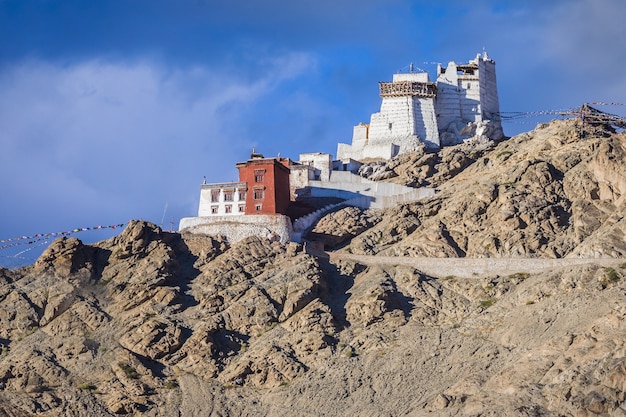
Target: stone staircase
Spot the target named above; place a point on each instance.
(304, 223)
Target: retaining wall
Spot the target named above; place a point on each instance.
(365, 193)
(236, 228)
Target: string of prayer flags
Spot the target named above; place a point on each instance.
(38, 237)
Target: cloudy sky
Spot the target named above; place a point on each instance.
(112, 110)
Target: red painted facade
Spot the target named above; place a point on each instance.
(268, 185)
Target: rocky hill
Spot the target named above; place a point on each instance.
(163, 324)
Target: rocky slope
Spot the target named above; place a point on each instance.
(546, 193)
(162, 324)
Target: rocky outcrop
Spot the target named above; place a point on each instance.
(544, 193)
(341, 226)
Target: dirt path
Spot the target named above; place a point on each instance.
(474, 267)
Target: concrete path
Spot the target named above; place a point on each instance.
(474, 267)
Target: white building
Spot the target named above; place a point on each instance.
(226, 199)
(462, 103)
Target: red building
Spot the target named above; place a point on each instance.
(267, 182)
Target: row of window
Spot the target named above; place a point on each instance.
(241, 208)
(229, 195)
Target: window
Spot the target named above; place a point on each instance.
(228, 195)
(242, 195)
(213, 209)
(258, 207)
(242, 208)
(229, 208)
(215, 196)
(258, 175)
(259, 194)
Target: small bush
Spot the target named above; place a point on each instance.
(450, 278)
(129, 370)
(610, 276)
(487, 303)
(519, 275)
(622, 265)
(529, 302)
(87, 386)
(103, 281)
(504, 154)
(171, 384)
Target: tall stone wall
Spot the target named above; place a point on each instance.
(365, 193)
(400, 126)
(489, 89)
(395, 119)
(453, 104)
(425, 123)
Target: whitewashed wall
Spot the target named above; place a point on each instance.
(274, 227)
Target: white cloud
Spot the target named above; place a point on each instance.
(112, 140)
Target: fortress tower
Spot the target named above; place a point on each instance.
(467, 101)
(462, 103)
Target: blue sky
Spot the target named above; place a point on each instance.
(115, 110)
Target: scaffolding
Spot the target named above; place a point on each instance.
(407, 88)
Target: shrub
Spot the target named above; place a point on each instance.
(129, 370)
(87, 386)
(610, 276)
(487, 303)
(450, 278)
(519, 275)
(171, 384)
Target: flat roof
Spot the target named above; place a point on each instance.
(224, 185)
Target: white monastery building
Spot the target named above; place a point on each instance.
(462, 103)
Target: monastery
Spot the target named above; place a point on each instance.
(280, 199)
(462, 103)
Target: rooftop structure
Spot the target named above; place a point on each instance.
(462, 103)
